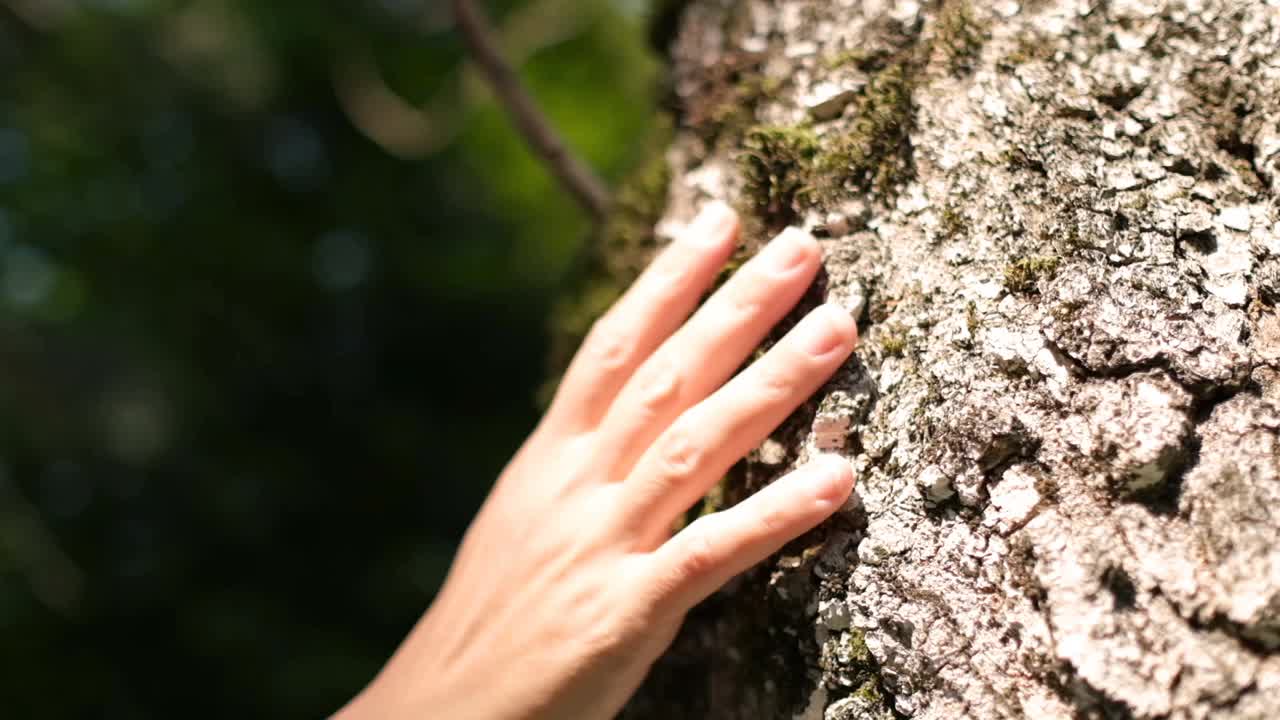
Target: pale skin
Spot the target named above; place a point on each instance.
(570, 583)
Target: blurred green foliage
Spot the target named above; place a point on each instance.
(274, 279)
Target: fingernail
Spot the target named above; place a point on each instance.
(824, 330)
(791, 248)
(712, 223)
(830, 478)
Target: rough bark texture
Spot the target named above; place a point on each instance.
(1057, 222)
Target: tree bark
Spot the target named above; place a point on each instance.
(1057, 222)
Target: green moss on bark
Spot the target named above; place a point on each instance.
(778, 170)
(893, 343)
(628, 237)
(1024, 274)
(959, 37)
(872, 153)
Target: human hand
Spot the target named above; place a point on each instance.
(569, 583)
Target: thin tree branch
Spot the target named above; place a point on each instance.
(576, 177)
(411, 131)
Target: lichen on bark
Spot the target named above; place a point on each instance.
(1065, 413)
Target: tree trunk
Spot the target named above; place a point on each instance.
(1057, 223)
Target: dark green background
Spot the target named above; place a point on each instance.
(256, 369)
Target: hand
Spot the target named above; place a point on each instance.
(569, 584)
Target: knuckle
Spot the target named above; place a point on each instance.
(771, 522)
(679, 456)
(609, 348)
(699, 556)
(610, 641)
(747, 303)
(659, 387)
(776, 382)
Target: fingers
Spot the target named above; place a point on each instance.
(700, 356)
(715, 548)
(650, 310)
(703, 443)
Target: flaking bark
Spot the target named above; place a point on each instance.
(1057, 222)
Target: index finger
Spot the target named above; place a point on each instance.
(649, 312)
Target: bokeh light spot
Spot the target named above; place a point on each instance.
(341, 260)
(29, 276)
(296, 155)
(137, 423)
